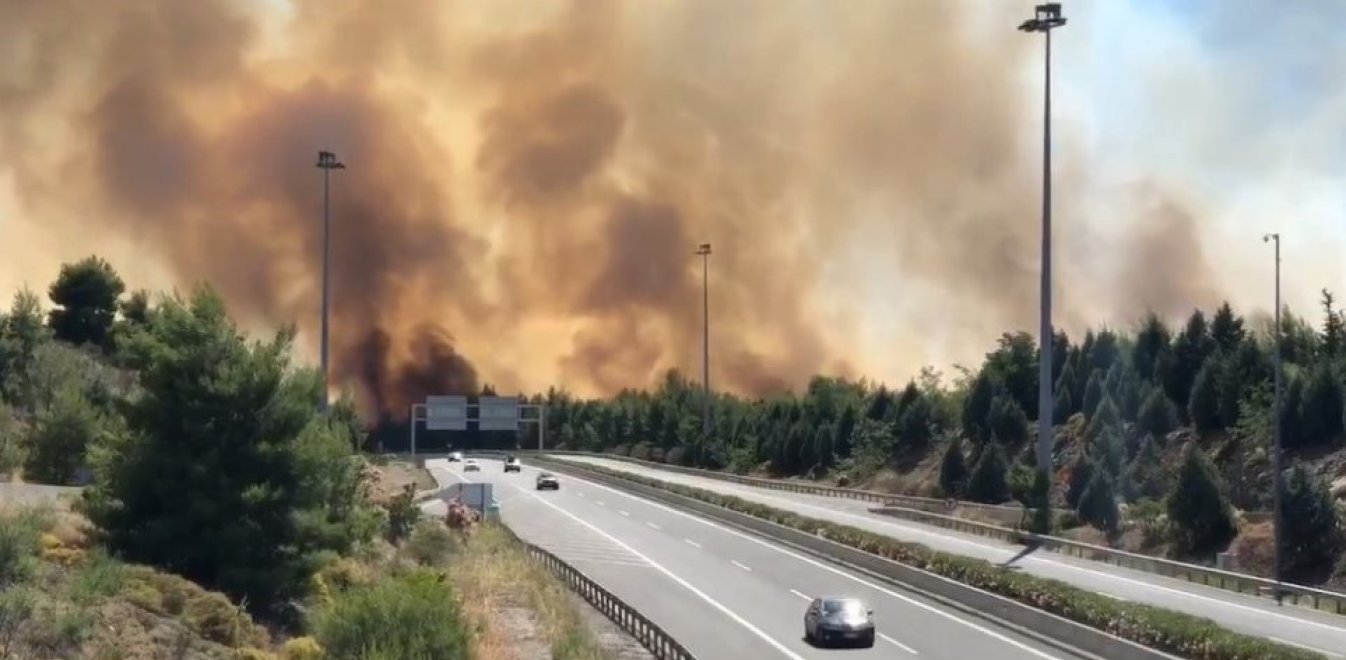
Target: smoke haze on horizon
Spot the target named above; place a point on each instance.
(528, 181)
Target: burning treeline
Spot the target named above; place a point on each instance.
(527, 181)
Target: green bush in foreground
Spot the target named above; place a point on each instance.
(1172, 632)
(410, 616)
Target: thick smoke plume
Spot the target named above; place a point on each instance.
(528, 181)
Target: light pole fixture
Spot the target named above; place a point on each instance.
(704, 252)
(327, 161)
(1046, 18)
(1278, 516)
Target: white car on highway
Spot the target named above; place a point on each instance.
(471, 465)
(456, 457)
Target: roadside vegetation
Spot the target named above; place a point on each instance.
(222, 516)
(1161, 443)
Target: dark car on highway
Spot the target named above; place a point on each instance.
(548, 481)
(833, 619)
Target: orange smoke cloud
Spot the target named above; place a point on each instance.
(527, 183)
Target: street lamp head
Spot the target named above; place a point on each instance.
(328, 161)
(1266, 238)
(704, 249)
(1046, 17)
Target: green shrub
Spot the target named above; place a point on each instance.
(431, 543)
(302, 648)
(98, 577)
(413, 615)
(1172, 632)
(20, 543)
(16, 608)
(12, 449)
(402, 514)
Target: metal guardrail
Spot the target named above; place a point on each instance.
(649, 634)
(1307, 597)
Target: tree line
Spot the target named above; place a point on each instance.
(1123, 400)
(154, 388)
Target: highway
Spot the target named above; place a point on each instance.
(1321, 632)
(722, 593)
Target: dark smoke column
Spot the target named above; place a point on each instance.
(327, 161)
(1046, 18)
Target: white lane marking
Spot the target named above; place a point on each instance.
(600, 502)
(652, 525)
(1108, 595)
(898, 644)
(624, 514)
(742, 566)
(833, 569)
(692, 543)
(1331, 654)
(801, 594)
(1061, 564)
(580, 494)
(687, 585)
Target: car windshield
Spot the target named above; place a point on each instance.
(847, 608)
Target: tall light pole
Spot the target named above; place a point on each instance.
(1046, 17)
(704, 251)
(327, 161)
(1277, 515)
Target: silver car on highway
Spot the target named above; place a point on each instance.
(836, 619)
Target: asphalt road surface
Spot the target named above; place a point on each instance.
(722, 593)
(1316, 631)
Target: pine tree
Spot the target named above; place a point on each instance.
(881, 405)
(1132, 396)
(1291, 415)
(1199, 506)
(1105, 351)
(1105, 418)
(1334, 328)
(953, 473)
(1109, 452)
(1226, 329)
(1313, 532)
(843, 441)
(1145, 477)
(1152, 344)
(915, 426)
(1062, 407)
(1190, 349)
(1157, 414)
(977, 408)
(1082, 469)
(1007, 421)
(1064, 391)
(1098, 504)
(1204, 405)
(1320, 407)
(1093, 393)
(987, 483)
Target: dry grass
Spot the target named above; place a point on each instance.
(389, 480)
(82, 604)
(521, 612)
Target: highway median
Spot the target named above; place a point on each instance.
(1150, 627)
